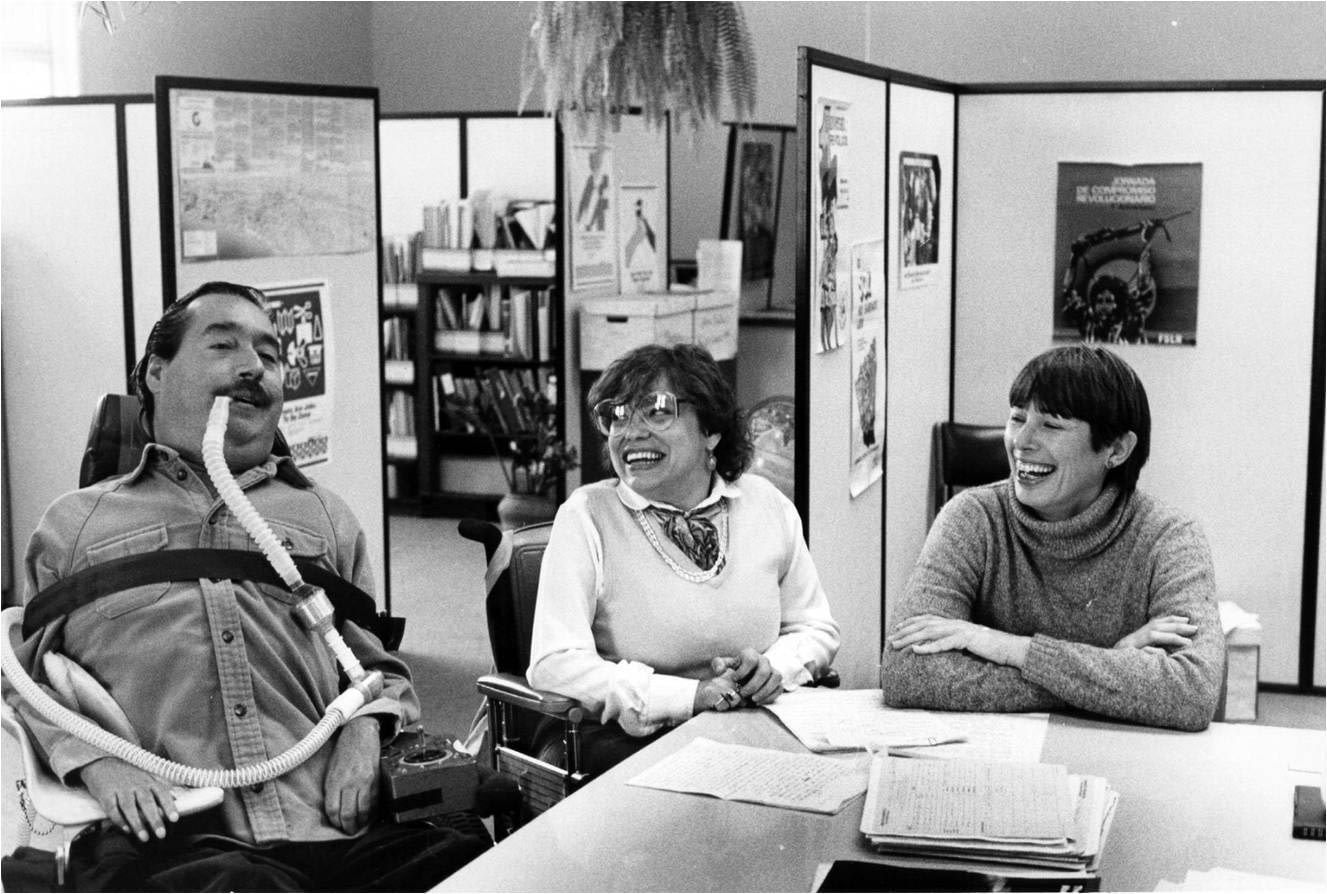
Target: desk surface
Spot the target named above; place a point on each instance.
(1220, 798)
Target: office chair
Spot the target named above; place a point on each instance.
(963, 456)
(515, 709)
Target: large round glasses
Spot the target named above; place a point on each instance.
(658, 411)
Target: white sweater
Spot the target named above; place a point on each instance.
(616, 629)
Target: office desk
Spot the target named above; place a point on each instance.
(1187, 800)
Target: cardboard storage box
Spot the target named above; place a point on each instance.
(612, 326)
(716, 323)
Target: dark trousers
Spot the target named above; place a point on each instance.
(603, 745)
(388, 857)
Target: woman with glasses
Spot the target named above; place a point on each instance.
(683, 585)
(1063, 586)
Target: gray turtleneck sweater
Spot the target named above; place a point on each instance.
(1076, 587)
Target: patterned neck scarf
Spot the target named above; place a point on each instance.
(693, 532)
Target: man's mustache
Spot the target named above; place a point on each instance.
(249, 392)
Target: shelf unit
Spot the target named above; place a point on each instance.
(429, 158)
(437, 438)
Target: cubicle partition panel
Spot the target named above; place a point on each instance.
(1231, 411)
(921, 155)
(276, 186)
(69, 327)
(841, 192)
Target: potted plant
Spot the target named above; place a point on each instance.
(538, 457)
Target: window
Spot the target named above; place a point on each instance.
(39, 49)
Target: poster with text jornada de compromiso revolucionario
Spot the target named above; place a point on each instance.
(1126, 253)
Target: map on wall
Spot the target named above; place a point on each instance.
(272, 175)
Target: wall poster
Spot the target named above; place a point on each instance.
(867, 337)
(272, 175)
(919, 219)
(638, 226)
(1126, 253)
(593, 220)
(301, 314)
(830, 195)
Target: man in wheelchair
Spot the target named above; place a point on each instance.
(214, 671)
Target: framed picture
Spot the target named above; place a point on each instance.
(753, 188)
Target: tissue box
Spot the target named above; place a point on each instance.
(612, 326)
(1242, 650)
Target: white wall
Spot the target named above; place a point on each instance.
(1230, 415)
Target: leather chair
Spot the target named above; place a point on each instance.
(964, 455)
(515, 709)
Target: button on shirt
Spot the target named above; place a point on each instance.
(211, 673)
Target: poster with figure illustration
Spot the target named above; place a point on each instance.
(638, 232)
(300, 313)
(829, 197)
(919, 219)
(1126, 253)
(866, 335)
(591, 191)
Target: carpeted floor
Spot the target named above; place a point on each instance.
(438, 587)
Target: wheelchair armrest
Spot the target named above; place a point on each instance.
(66, 806)
(513, 690)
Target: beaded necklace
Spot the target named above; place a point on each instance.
(695, 577)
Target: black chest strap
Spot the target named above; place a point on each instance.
(164, 566)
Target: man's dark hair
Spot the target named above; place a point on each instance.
(694, 376)
(1096, 386)
(168, 332)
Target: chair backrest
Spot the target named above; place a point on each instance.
(965, 455)
(116, 439)
(514, 560)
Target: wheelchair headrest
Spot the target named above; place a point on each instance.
(117, 438)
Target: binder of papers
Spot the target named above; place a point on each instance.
(998, 813)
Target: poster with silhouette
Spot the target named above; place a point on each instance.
(593, 219)
(829, 197)
(1126, 253)
(866, 337)
(638, 233)
(919, 218)
(300, 314)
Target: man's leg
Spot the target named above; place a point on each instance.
(412, 856)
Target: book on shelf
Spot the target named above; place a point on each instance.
(445, 260)
(524, 262)
(401, 414)
(398, 372)
(396, 338)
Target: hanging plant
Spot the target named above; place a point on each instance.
(598, 60)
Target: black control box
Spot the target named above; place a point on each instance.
(423, 775)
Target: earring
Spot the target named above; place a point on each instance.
(711, 462)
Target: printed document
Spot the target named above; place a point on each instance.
(759, 776)
(827, 720)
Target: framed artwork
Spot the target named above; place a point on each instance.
(753, 188)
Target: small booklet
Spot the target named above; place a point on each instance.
(759, 776)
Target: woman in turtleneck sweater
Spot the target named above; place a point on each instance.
(1064, 586)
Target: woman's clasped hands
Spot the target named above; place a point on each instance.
(746, 679)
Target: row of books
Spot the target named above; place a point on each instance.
(508, 321)
(502, 402)
(401, 442)
(1006, 816)
(487, 220)
(398, 339)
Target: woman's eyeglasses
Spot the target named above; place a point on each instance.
(658, 411)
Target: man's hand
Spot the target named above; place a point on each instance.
(134, 800)
(928, 634)
(1160, 634)
(350, 788)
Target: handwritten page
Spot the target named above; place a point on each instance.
(758, 776)
(972, 800)
(827, 720)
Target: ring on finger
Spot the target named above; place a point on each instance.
(731, 697)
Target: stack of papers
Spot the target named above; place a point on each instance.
(1005, 814)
